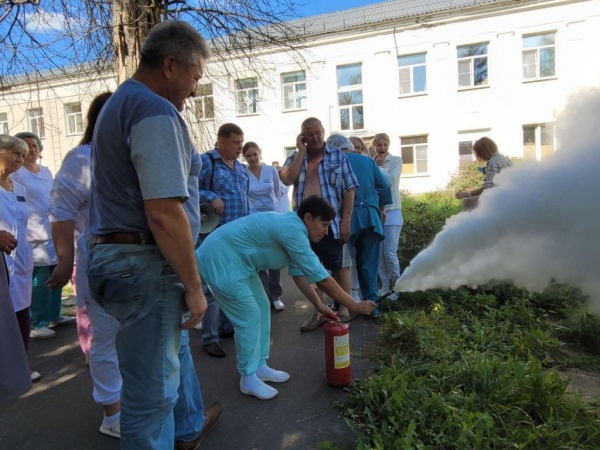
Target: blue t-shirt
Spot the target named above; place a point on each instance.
(141, 150)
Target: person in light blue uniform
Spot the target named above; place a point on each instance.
(229, 260)
(370, 199)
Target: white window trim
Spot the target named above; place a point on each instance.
(341, 90)
(71, 114)
(414, 152)
(471, 60)
(537, 49)
(246, 92)
(4, 123)
(295, 85)
(39, 119)
(201, 99)
(411, 68)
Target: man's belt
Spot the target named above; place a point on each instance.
(124, 237)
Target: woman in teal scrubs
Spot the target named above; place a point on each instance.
(229, 261)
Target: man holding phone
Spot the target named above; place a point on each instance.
(316, 169)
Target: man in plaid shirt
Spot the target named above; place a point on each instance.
(223, 182)
(316, 169)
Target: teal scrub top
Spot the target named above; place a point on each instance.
(238, 250)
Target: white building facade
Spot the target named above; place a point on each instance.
(433, 75)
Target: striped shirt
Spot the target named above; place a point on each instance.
(335, 177)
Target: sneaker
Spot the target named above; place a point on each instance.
(278, 305)
(113, 430)
(42, 333)
(314, 322)
(35, 376)
(62, 320)
(381, 292)
(394, 297)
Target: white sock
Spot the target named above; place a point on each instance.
(251, 385)
(265, 373)
(108, 421)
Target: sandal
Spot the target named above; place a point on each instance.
(313, 323)
(344, 318)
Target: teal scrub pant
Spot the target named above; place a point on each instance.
(250, 313)
(45, 303)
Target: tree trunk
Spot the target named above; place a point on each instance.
(132, 21)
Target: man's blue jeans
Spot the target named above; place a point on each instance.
(160, 399)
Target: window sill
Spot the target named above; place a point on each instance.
(473, 88)
(537, 80)
(415, 175)
(248, 115)
(416, 94)
(74, 134)
(293, 110)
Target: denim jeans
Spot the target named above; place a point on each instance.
(389, 266)
(271, 281)
(135, 284)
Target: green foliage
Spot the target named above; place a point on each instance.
(466, 179)
(475, 368)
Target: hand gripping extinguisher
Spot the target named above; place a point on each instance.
(337, 353)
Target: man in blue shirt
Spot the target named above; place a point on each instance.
(223, 183)
(144, 220)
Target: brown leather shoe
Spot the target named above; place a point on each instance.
(211, 417)
(215, 349)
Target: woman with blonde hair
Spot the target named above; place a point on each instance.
(391, 168)
(486, 151)
(359, 146)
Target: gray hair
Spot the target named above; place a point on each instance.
(176, 39)
(8, 142)
(340, 142)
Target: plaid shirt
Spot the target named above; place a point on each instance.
(335, 176)
(230, 185)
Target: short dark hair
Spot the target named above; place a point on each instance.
(317, 206)
(92, 116)
(227, 129)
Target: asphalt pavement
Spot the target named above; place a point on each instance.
(59, 413)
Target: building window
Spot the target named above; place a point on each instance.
(36, 122)
(288, 151)
(472, 65)
(412, 73)
(293, 86)
(465, 153)
(3, 123)
(247, 96)
(538, 141)
(350, 97)
(204, 104)
(414, 154)
(539, 56)
(74, 118)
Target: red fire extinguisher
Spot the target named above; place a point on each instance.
(337, 353)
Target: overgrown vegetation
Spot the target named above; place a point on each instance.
(475, 368)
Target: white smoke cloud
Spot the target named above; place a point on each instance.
(541, 222)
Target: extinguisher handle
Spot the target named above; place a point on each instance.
(383, 297)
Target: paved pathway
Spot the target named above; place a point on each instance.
(60, 414)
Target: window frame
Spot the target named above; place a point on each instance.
(415, 146)
(73, 115)
(295, 92)
(247, 93)
(36, 123)
(350, 89)
(4, 123)
(411, 69)
(471, 59)
(537, 50)
(200, 103)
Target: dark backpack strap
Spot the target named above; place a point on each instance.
(212, 174)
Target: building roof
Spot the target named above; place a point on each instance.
(385, 11)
